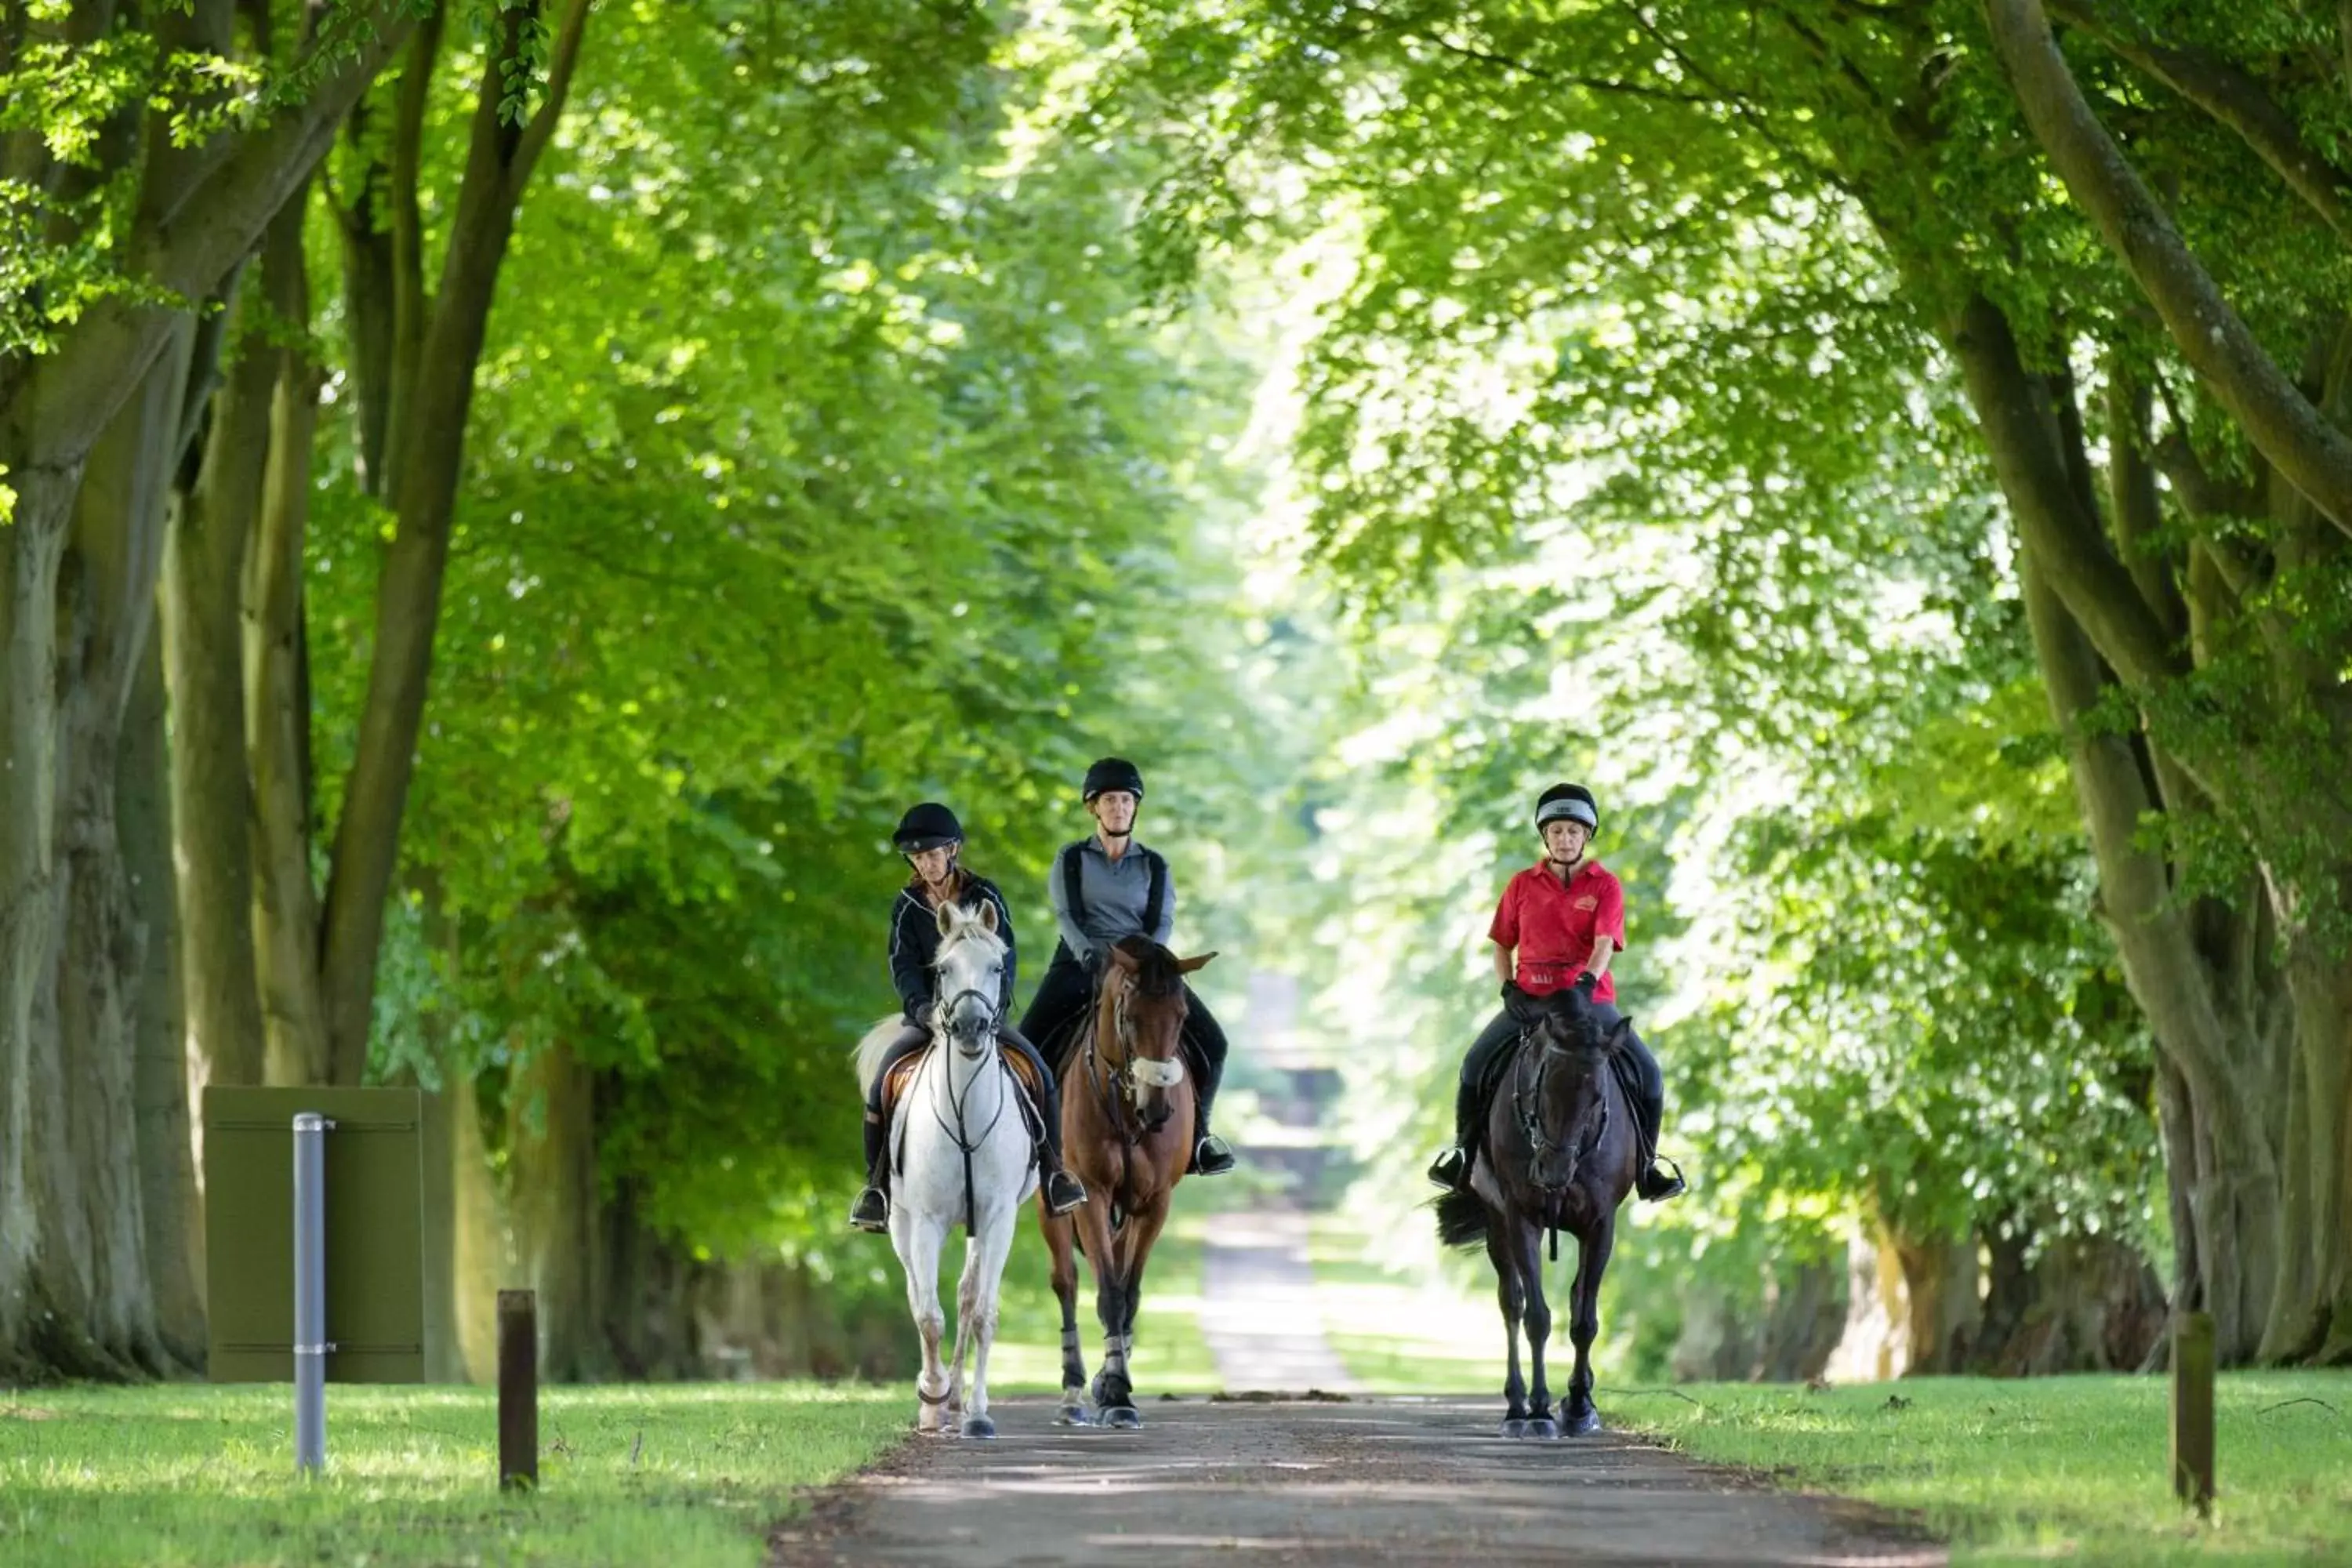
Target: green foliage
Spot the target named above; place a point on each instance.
(824, 459)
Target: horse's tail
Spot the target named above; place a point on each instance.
(1461, 1219)
(871, 1050)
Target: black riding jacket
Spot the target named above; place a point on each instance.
(915, 943)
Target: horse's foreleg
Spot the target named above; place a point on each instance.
(1535, 1315)
(1060, 1244)
(1583, 1323)
(918, 1242)
(1136, 1242)
(1508, 1297)
(985, 1277)
(1111, 1388)
(967, 1314)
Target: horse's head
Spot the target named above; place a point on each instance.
(1144, 994)
(971, 970)
(1566, 1109)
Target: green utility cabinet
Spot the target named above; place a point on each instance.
(374, 1232)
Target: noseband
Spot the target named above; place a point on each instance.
(1121, 1087)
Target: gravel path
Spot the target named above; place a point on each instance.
(1257, 1306)
(1360, 1483)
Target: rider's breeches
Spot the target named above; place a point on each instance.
(913, 1038)
(1650, 1084)
(1065, 995)
(1204, 1039)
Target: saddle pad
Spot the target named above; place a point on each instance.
(894, 1085)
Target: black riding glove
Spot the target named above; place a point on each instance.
(1588, 982)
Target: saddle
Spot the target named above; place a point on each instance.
(900, 1077)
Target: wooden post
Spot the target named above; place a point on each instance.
(518, 1390)
(2192, 1410)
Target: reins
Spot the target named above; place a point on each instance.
(957, 1131)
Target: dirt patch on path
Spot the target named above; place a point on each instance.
(1367, 1482)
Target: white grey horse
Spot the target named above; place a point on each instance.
(963, 1156)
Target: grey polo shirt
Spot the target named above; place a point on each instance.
(1115, 893)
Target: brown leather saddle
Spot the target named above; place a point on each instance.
(896, 1083)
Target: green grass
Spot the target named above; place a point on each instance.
(2068, 1467)
(681, 1476)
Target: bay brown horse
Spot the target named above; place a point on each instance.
(1559, 1155)
(1127, 1133)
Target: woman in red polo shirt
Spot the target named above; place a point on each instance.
(1560, 921)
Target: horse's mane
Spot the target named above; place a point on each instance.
(1156, 974)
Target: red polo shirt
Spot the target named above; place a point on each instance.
(1553, 927)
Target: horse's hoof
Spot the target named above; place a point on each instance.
(978, 1427)
(1122, 1418)
(1073, 1415)
(1515, 1427)
(1544, 1428)
(1583, 1425)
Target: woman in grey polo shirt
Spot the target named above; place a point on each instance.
(1104, 888)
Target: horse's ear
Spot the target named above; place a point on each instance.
(1123, 959)
(987, 917)
(1186, 966)
(946, 918)
(1620, 1034)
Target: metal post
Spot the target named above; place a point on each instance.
(2192, 1410)
(518, 1390)
(310, 1346)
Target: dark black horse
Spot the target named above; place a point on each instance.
(1558, 1155)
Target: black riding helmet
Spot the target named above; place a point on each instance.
(926, 826)
(1112, 773)
(1573, 802)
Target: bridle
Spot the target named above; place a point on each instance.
(959, 1130)
(1119, 1087)
(1528, 1102)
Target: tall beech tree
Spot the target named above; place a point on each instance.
(1839, 188)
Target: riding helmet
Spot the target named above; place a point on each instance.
(1573, 802)
(926, 826)
(1113, 773)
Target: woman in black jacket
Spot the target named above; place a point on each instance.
(931, 839)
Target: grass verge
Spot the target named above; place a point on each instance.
(2072, 1468)
(684, 1475)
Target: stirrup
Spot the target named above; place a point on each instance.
(871, 1212)
(1451, 1169)
(1064, 1192)
(1211, 1155)
(1656, 1187)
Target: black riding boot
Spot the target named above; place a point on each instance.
(871, 1212)
(1451, 1170)
(1211, 1155)
(1063, 1191)
(1653, 1180)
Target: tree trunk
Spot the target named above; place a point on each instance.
(167, 1177)
(212, 803)
(1939, 1281)
(551, 1161)
(31, 550)
(286, 930)
(426, 433)
(2320, 1326)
